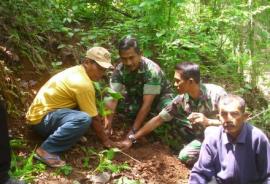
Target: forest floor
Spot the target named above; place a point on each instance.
(148, 161)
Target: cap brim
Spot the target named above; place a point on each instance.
(104, 64)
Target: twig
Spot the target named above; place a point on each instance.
(258, 114)
(130, 156)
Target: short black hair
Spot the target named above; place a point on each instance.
(189, 70)
(227, 99)
(127, 43)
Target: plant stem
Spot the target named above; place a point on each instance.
(258, 114)
(130, 157)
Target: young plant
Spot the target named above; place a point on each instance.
(105, 162)
(101, 93)
(23, 168)
(105, 158)
(89, 152)
(65, 170)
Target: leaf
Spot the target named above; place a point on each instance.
(61, 46)
(97, 86)
(147, 53)
(115, 95)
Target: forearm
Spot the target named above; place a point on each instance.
(141, 115)
(214, 122)
(149, 126)
(97, 125)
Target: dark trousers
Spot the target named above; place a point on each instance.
(4, 145)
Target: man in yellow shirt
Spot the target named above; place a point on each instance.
(53, 112)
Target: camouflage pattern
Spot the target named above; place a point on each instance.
(182, 106)
(148, 79)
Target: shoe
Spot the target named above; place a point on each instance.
(49, 159)
(13, 181)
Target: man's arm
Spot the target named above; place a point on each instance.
(146, 129)
(110, 105)
(144, 110)
(263, 159)
(203, 170)
(99, 129)
(200, 118)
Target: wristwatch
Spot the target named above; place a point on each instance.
(132, 138)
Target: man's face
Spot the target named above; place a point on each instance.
(181, 84)
(232, 118)
(94, 71)
(130, 59)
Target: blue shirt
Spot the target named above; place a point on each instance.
(245, 161)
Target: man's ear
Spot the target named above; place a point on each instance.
(191, 80)
(246, 116)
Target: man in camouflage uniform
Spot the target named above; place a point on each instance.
(193, 108)
(142, 80)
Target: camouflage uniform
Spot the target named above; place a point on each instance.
(148, 79)
(182, 106)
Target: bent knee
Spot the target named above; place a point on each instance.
(84, 119)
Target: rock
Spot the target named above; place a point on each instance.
(101, 178)
(76, 182)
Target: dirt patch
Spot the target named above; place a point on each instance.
(150, 162)
(156, 164)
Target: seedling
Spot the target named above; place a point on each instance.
(101, 103)
(23, 168)
(89, 152)
(66, 170)
(105, 160)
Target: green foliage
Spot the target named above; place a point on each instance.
(10, 91)
(22, 167)
(261, 119)
(65, 170)
(106, 163)
(17, 143)
(88, 153)
(101, 103)
(229, 39)
(105, 158)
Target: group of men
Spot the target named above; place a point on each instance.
(224, 146)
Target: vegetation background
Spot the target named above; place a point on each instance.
(230, 40)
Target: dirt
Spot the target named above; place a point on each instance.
(149, 162)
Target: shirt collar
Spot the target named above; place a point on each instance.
(240, 139)
(203, 94)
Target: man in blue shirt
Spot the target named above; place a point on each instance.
(234, 153)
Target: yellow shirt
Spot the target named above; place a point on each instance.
(70, 88)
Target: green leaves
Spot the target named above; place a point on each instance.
(106, 163)
(101, 103)
(66, 170)
(22, 167)
(105, 160)
(115, 95)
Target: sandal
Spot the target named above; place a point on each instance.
(51, 160)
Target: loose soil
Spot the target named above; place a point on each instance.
(149, 161)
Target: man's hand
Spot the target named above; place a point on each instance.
(132, 131)
(109, 144)
(126, 144)
(198, 118)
